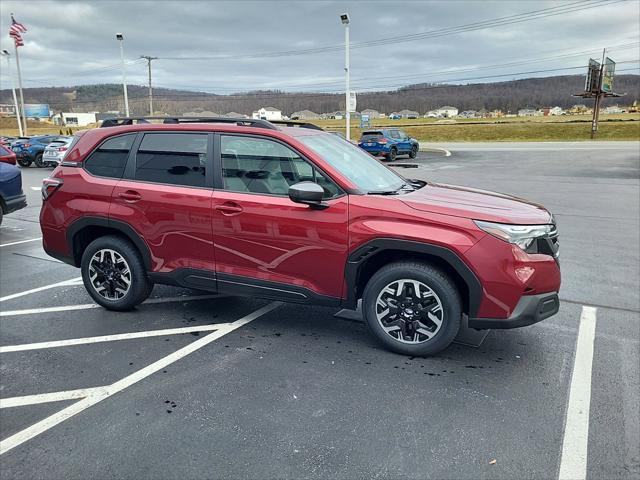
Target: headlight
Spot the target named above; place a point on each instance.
(524, 236)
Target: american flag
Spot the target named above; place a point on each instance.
(15, 31)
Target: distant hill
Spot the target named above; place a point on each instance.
(508, 96)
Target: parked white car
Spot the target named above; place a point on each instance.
(55, 151)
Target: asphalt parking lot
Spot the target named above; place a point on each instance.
(200, 386)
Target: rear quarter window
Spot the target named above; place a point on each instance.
(110, 158)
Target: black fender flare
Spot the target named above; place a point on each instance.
(358, 257)
(122, 227)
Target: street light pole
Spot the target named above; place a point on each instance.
(120, 38)
(347, 94)
(148, 59)
(7, 55)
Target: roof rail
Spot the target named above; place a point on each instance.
(249, 122)
(289, 123)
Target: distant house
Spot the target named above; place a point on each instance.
(556, 111)
(74, 119)
(527, 112)
(7, 110)
(395, 116)
(447, 111)
(496, 113)
(304, 115)
(372, 113)
(408, 114)
(235, 115)
(267, 113)
(579, 109)
(431, 114)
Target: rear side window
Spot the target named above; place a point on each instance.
(371, 136)
(110, 158)
(173, 158)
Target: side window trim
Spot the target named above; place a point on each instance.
(130, 170)
(219, 182)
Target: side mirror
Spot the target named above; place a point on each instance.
(309, 193)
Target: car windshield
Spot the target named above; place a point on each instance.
(355, 164)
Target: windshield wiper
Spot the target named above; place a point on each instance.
(403, 187)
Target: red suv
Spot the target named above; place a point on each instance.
(246, 207)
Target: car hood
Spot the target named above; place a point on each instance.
(476, 204)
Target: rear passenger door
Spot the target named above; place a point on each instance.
(165, 195)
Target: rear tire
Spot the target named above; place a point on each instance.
(23, 162)
(412, 308)
(114, 274)
(38, 161)
(392, 154)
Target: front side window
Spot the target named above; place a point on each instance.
(355, 164)
(110, 158)
(172, 158)
(259, 165)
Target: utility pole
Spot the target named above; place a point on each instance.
(344, 18)
(598, 99)
(7, 55)
(149, 59)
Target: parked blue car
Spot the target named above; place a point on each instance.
(30, 150)
(11, 196)
(389, 143)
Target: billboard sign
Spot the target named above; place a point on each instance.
(607, 75)
(36, 110)
(593, 77)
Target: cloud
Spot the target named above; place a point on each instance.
(71, 42)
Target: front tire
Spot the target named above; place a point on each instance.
(414, 152)
(412, 308)
(114, 274)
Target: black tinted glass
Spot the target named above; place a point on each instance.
(173, 158)
(110, 158)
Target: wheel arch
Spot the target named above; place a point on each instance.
(83, 231)
(365, 260)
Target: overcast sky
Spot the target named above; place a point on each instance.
(73, 43)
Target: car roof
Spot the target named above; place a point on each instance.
(207, 127)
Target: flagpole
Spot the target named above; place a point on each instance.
(13, 90)
(24, 118)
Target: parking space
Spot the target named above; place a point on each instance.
(203, 386)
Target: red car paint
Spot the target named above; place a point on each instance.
(6, 155)
(271, 238)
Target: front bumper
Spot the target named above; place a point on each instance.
(15, 203)
(529, 310)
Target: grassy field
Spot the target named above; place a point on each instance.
(534, 129)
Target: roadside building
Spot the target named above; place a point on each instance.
(408, 114)
(304, 115)
(372, 113)
(431, 114)
(201, 113)
(7, 110)
(579, 109)
(267, 113)
(496, 113)
(613, 109)
(74, 119)
(447, 111)
(556, 111)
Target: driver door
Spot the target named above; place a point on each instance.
(265, 244)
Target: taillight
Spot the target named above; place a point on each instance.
(25, 145)
(50, 186)
(382, 140)
(63, 149)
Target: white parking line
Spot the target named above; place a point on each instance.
(88, 306)
(65, 283)
(98, 395)
(573, 463)
(50, 397)
(111, 338)
(20, 241)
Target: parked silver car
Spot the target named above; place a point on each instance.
(55, 151)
